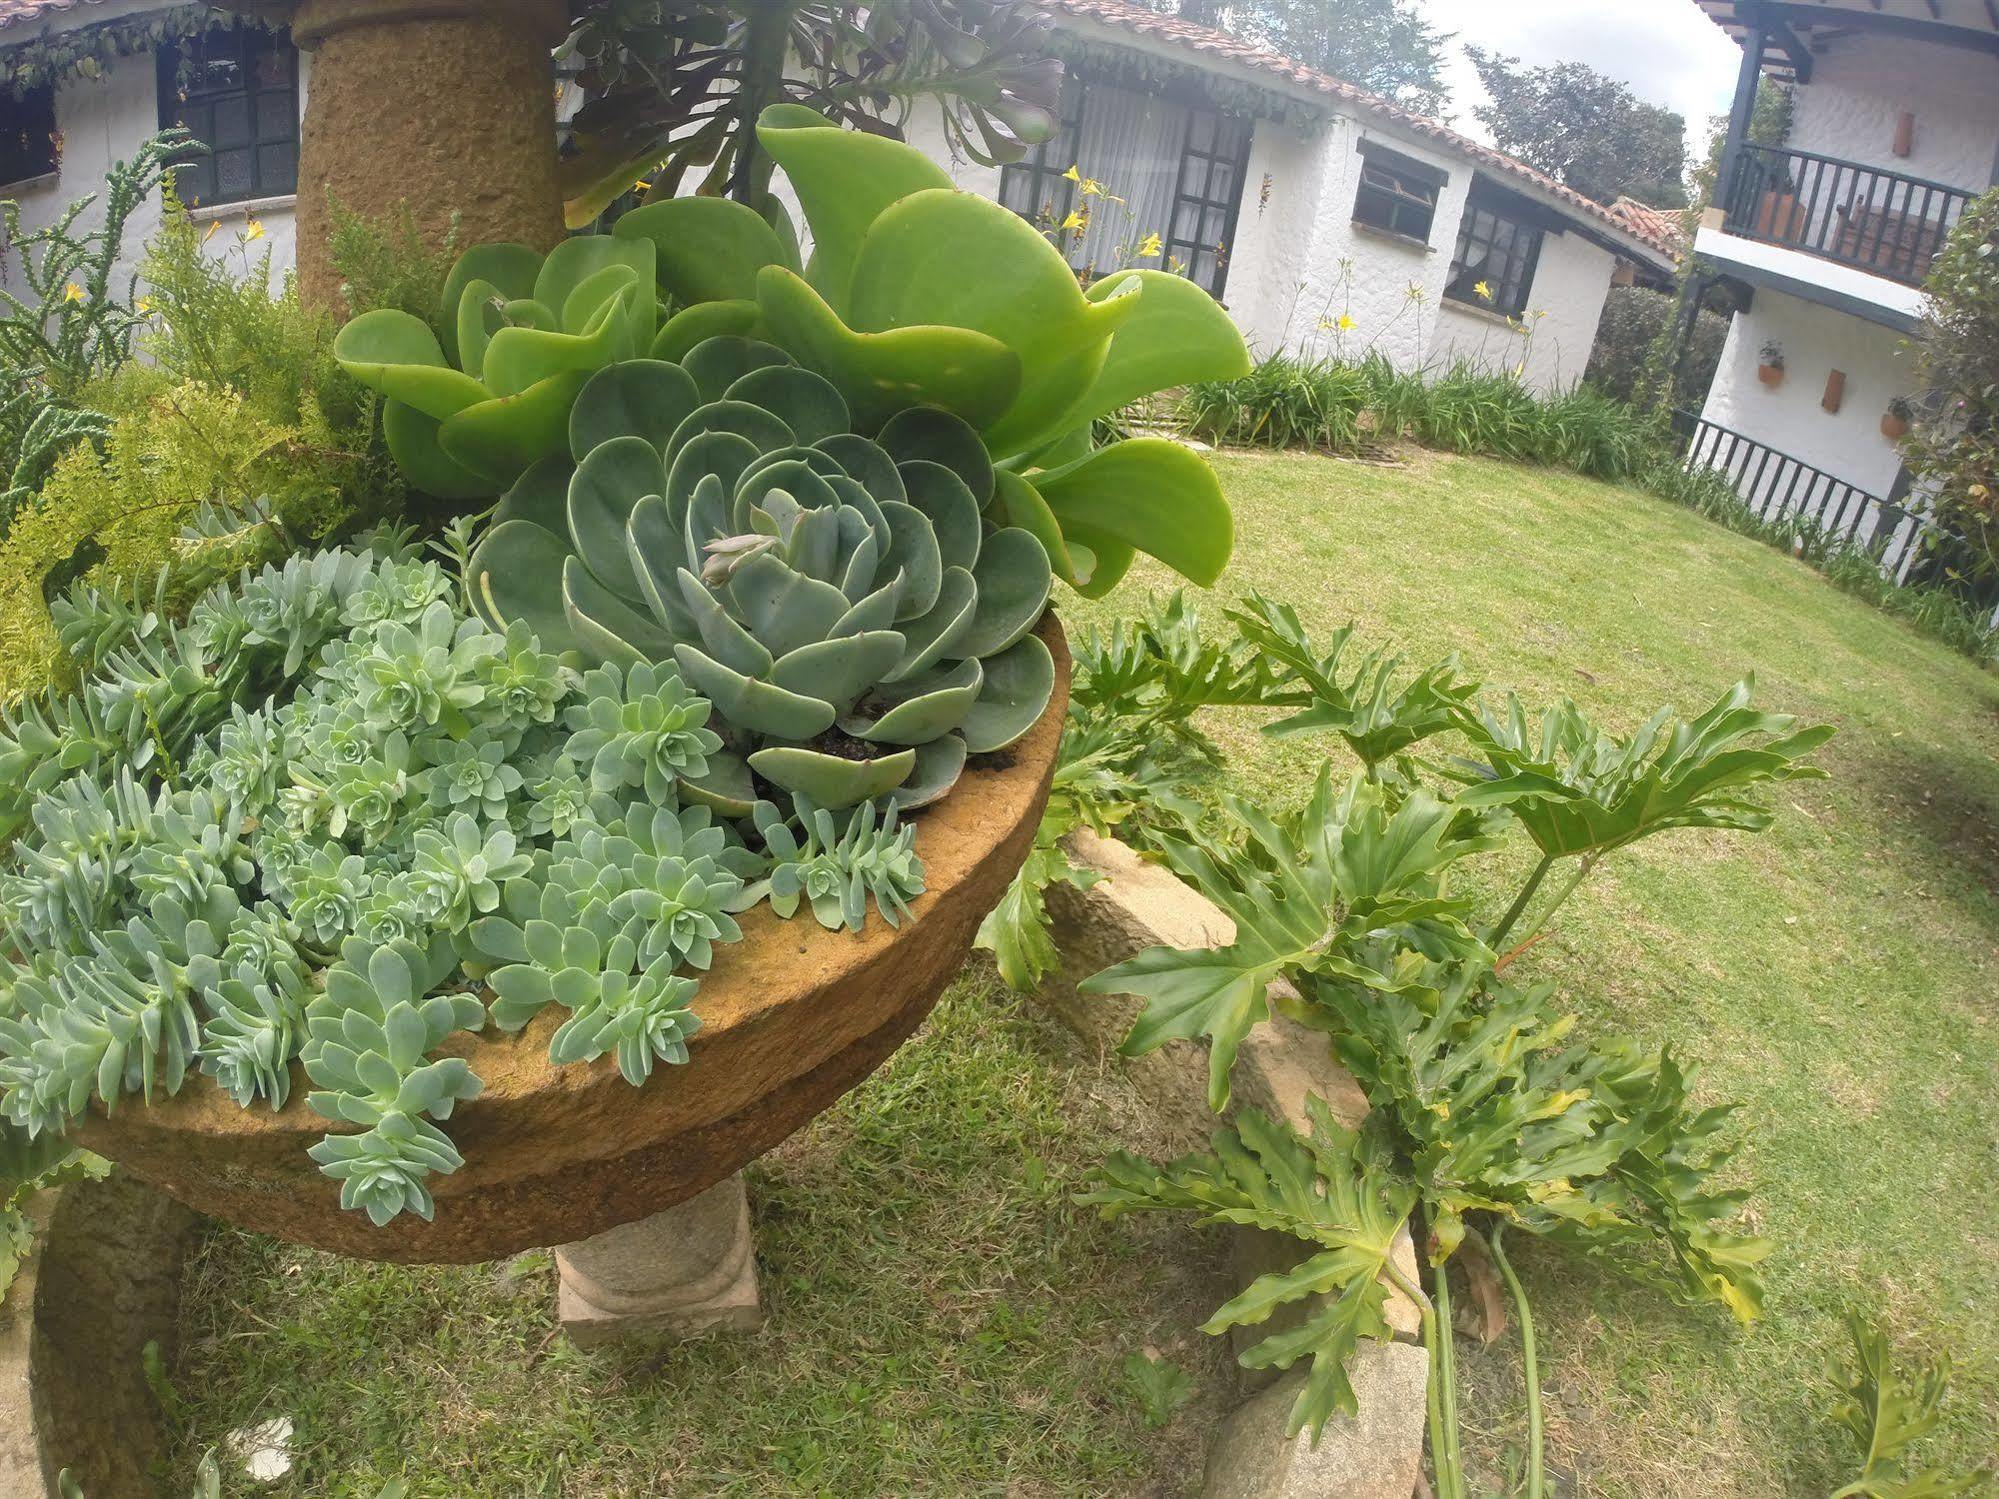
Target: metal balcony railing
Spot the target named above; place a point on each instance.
(1880, 221)
(1825, 509)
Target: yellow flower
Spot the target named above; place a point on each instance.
(1176, 265)
(1072, 174)
(72, 293)
(214, 228)
(642, 186)
(1092, 188)
(1074, 221)
(1326, 325)
(144, 307)
(1519, 369)
(1150, 247)
(1484, 290)
(1539, 313)
(253, 230)
(1345, 323)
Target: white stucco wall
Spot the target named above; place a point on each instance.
(1862, 83)
(1788, 417)
(106, 120)
(1302, 262)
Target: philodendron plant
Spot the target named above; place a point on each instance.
(915, 295)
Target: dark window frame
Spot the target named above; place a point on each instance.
(28, 144)
(1397, 194)
(197, 88)
(1214, 148)
(1496, 226)
(1215, 143)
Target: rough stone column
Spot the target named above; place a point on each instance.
(679, 1274)
(447, 105)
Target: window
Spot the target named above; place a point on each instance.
(236, 88)
(1397, 193)
(27, 134)
(1497, 247)
(1153, 165)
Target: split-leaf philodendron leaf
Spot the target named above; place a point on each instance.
(915, 296)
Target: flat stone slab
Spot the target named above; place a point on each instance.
(1375, 1454)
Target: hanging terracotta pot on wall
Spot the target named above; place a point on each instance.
(1895, 420)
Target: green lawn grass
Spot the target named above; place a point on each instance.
(944, 1321)
(941, 1319)
(1837, 974)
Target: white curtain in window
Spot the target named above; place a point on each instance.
(1131, 144)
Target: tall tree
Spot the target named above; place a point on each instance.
(1383, 46)
(1586, 131)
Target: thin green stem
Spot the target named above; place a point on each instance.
(1583, 867)
(1448, 1360)
(1450, 1483)
(1513, 912)
(1530, 1368)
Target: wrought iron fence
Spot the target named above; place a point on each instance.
(1778, 487)
(1880, 221)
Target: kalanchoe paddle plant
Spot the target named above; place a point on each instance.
(915, 296)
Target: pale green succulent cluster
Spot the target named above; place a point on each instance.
(387, 794)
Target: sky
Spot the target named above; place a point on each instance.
(1666, 51)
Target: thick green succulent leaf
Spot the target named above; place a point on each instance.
(1176, 335)
(1018, 684)
(505, 438)
(782, 607)
(1102, 560)
(397, 354)
(1151, 494)
(520, 358)
(838, 670)
(949, 506)
(923, 432)
(605, 626)
(932, 636)
(721, 362)
(509, 268)
(926, 706)
(608, 483)
(696, 325)
(963, 261)
(516, 574)
(1014, 583)
(1016, 502)
(913, 551)
(644, 398)
(753, 424)
(843, 179)
(890, 370)
(725, 787)
(703, 454)
(481, 313)
(579, 258)
(870, 466)
(759, 707)
(805, 402)
(709, 249)
(939, 763)
(828, 780)
(413, 442)
(541, 495)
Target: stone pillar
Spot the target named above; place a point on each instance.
(679, 1274)
(446, 105)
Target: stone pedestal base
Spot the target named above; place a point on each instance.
(684, 1273)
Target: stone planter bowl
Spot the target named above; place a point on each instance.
(791, 1017)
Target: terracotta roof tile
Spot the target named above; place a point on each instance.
(1660, 225)
(1125, 16)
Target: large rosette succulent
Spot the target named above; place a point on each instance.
(915, 295)
(853, 607)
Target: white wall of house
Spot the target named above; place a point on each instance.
(1863, 83)
(1301, 263)
(1789, 417)
(106, 120)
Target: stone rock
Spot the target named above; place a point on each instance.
(1376, 1454)
(791, 1018)
(1134, 905)
(684, 1273)
(21, 1474)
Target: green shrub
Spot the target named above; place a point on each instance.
(1633, 317)
(1284, 402)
